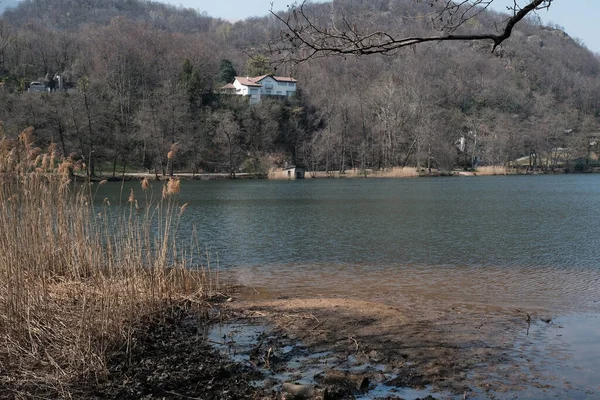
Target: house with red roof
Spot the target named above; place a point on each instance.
(266, 85)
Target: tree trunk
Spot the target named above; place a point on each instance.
(61, 136)
(114, 172)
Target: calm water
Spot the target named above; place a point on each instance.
(530, 241)
(478, 245)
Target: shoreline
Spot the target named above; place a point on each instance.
(341, 348)
(359, 348)
(429, 344)
(189, 176)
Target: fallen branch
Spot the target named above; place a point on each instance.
(355, 342)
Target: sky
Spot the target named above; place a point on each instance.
(578, 17)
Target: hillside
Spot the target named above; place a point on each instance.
(70, 15)
(146, 75)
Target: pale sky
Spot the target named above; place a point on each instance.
(580, 18)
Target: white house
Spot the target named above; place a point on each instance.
(266, 85)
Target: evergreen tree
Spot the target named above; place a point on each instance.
(227, 72)
(191, 81)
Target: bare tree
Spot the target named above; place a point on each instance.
(227, 133)
(6, 38)
(306, 37)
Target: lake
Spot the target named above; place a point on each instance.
(522, 241)
(440, 248)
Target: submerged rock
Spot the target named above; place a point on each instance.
(291, 391)
(347, 380)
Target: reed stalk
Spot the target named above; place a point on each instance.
(77, 275)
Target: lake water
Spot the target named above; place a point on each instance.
(527, 241)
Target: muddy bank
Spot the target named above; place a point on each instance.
(171, 359)
(366, 348)
(324, 348)
(350, 349)
(166, 357)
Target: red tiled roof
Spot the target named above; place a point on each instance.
(259, 78)
(254, 81)
(284, 79)
(247, 81)
(228, 86)
(277, 78)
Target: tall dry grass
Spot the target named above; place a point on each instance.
(491, 170)
(76, 278)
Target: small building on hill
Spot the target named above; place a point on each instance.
(259, 86)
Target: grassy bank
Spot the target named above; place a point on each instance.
(78, 276)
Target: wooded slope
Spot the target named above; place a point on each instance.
(144, 76)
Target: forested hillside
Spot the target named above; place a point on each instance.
(143, 81)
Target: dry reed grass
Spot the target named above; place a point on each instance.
(491, 170)
(395, 172)
(75, 278)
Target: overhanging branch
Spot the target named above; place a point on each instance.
(303, 38)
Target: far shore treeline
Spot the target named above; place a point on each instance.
(141, 91)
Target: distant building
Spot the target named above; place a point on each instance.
(266, 85)
(37, 87)
(296, 172)
(292, 172)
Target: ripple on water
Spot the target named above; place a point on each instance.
(559, 358)
(549, 289)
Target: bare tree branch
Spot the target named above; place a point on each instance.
(303, 37)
